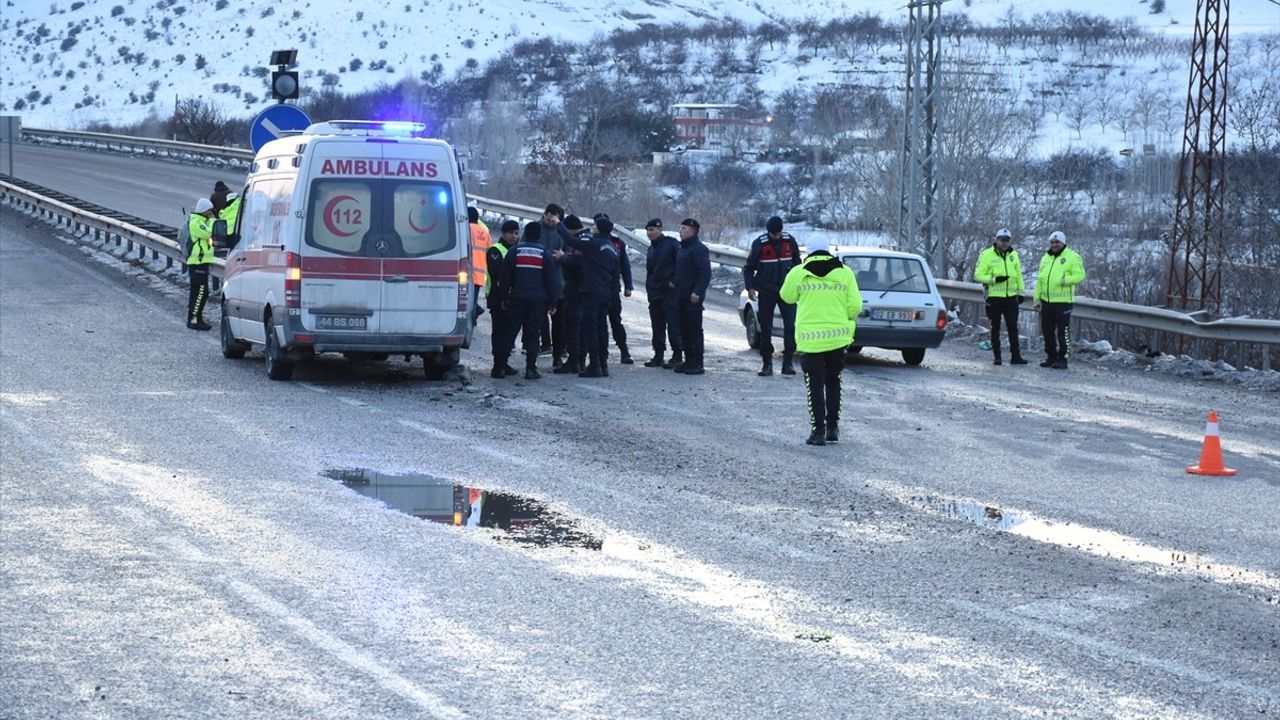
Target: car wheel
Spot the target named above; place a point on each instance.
(232, 349)
(753, 328)
(913, 356)
(278, 368)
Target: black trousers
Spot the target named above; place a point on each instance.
(822, 373)
(570, 314)
(691, 330)
(594, 325)
(767, 302)
(615, 321)
(531, 314)
(505, 327)
(1006, 308)
(1055, 323)
(664, 320)
(199, 292)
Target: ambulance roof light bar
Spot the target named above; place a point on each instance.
(367, 128)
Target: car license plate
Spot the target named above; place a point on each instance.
(341, 322)
(894, 315)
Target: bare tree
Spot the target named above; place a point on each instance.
(199, 121)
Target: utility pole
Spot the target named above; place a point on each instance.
(1194, 272)
(920, 213)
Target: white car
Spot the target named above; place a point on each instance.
(901, 306)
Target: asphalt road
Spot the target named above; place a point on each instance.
(984, 542)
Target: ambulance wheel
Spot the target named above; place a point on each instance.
(232, 349)
(278, 368)
(436, 365)
(753, 328)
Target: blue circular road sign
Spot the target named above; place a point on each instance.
(274, 122)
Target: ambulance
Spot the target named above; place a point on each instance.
(352, 239)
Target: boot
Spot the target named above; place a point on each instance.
(817, 437)
(531, 373)
(499, 370)
(677, 358)
(592, 370)
(1017, 360)
(1047, 362)
(656, 361)
(787, 367)
(199, 325)
(624, 355)
(570, 367)
(766, 366)
(604, 365)
(510, 370)
(556, 363)
(833, 434)
(996, 355)
(1060, 364)
(691, 368)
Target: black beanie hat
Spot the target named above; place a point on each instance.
(511, 226)
(533, 231)
(573, 222)
(221, 187)
(774, 224)
(604, 225)
(473, 215)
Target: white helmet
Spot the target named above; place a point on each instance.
(1057, 236)
(1004, 233)
(204, 204)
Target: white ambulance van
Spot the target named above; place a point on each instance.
(353, 238)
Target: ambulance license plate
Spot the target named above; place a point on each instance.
(341, 322)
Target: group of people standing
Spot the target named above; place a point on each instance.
(999, 270)
(561, 269)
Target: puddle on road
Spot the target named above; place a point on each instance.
(522, 520)
(1094, 541)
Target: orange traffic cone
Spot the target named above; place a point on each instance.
(1211, 452)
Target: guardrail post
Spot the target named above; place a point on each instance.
(1266, 357)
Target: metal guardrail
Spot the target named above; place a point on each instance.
(1265, 333)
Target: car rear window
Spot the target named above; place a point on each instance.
(888, 273)
(381, 217)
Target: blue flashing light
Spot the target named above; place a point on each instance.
(403, 127)
(443, 197)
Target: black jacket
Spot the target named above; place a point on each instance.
(532, 273)
(660, 267)
(599, 264)
(693, 269)
(624, 266)
(768, 263)
(570, 263)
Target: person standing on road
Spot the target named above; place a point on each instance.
(599, 280)
(693, 277)
(481, 240)
(554, 329)
(772, 256)
(827, 300)
(1061, 270)
(623, 286)
(535, 290)
(199, 258)
(570, 261)
(1000, 271)
(498, 294)
(664, 317)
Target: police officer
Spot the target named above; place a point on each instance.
(599, 278)
(1000, 271)
(693, 276)
(660, 271)
(771, 257)
(199, 258)
(622, 287)
(498, 295)
(570, 261)
(827, 300)
(1061, 270)
(535, 289)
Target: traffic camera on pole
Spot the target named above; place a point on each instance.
(284, 82)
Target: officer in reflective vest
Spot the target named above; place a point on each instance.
(498, 296)
(199, 258)
(480, 242)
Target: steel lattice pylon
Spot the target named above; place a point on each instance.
(920, 214)
(1194, 274)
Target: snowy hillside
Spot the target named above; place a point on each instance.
(67, 64)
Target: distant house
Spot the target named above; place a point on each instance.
(719, 129)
